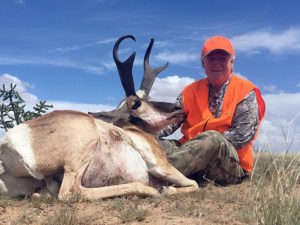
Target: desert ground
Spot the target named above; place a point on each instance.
(211, 205)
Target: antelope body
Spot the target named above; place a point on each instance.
(98, 159)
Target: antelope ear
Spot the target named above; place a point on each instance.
(108, 116)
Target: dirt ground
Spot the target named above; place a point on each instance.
(211, 205)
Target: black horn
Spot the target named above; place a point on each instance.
(125, 68)
(150, 73)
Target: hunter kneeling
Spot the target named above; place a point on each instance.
(223, 113)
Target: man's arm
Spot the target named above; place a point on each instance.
(244, 122)
(170, 129)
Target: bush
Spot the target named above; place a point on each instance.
(12, 109)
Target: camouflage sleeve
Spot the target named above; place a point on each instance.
(170, 129)
(244, 122)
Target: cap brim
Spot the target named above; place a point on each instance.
(208, 52)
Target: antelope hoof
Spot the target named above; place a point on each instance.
(195, 184)
(36, 196)
(157, 195)
(168, 191)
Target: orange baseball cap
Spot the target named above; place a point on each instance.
(215, 43)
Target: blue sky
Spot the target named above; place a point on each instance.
(61, 51)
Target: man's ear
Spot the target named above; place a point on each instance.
(202, 63)
(232, 65)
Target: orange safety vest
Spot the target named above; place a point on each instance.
(200, 119)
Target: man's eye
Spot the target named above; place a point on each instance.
(219, 59)
(222, 59)
(211, 59)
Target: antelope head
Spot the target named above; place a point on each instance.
(137, 108)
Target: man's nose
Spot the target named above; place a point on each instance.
(218, 61)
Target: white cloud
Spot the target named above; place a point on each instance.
(110, 65)
(61, 62)
(281, 126)
(77, 47)
(240, 75)
(67, 49)
(298, 85)
(168, 88)
(65, 105)
(280, 42)
(278, 134)
(30, 99)
(271, 88)
(20, 1)
(159, 44)
(21, 88)
(106, 41)
(177, 57)
(283, 105)
(125, 52)
(91, 69)
(110, 98)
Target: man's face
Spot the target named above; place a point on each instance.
(218, 65)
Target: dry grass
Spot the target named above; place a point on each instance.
(128, 212)
(275, 189)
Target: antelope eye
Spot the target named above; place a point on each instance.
(136, 104)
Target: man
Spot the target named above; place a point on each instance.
(223, 114)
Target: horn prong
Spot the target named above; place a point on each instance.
(150, 73)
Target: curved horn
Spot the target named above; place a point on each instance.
(125, 68)
(150, 73)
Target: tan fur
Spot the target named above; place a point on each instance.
(161, 168)
(55, 132)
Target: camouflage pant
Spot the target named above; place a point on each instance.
(208, 154)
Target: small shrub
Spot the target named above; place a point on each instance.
(70, 216)
(184, 208)
(132, 213)
(12, 108)
(128, 213)
(26, 218)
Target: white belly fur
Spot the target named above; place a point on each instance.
(134, 164)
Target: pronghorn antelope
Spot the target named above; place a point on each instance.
(97, 159)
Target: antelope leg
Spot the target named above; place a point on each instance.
(169, 190)
(71, 184)
(170, 174)
(135, 188)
